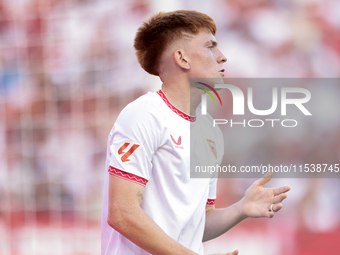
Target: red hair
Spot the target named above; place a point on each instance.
(160, 30)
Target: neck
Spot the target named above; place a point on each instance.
(179, 95)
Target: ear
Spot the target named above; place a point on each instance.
(181, 59)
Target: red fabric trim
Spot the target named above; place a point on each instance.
(174, 109)
(211, 201)
(128, 176)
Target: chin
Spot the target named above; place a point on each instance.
(213, 81)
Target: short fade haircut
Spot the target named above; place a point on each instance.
(160, 30)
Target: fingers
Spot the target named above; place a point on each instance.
(232, 253)
(277, 207)
(229, 253)
(273, 208)
(279, 198)
(266, 178)
(281, 190)
(269, 214)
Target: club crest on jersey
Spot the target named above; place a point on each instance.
(178, 142)
(127, 153)
(212, 146)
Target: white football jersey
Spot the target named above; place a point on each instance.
(150, 144)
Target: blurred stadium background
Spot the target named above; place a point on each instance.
(67, 68)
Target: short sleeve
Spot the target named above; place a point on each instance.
(212, 191)
(134, 140)
(213, 182)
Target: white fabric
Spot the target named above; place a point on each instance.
(172, 199)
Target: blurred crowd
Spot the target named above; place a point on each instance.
(280, 38)
(65, 71)
(67, 68)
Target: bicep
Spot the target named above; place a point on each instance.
(124, 194)
(209, 207)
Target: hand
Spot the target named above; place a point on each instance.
(258, 200)
(232, 253)
(229, 253)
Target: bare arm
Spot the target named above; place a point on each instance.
(256, 203)
(219, 221)
(127, 217)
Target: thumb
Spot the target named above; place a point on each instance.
(232, 253)
(266, 178)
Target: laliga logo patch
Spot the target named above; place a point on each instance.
(128, 153)
(212, 146)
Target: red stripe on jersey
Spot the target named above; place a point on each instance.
(211, 201)
(128, 176)
(174, 109)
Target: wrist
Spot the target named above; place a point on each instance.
(241, 208)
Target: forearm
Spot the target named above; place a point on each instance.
(139, 228)
(219, 221)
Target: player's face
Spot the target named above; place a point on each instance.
(206, 60)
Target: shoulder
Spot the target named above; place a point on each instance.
(142, 119)
(144, 109)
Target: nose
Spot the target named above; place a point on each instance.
(221, 58)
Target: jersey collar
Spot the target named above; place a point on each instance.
(174, 109)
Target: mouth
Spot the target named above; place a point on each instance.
(222, 72)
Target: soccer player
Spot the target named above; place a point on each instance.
(151, 205)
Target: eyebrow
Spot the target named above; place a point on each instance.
(214, 43)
